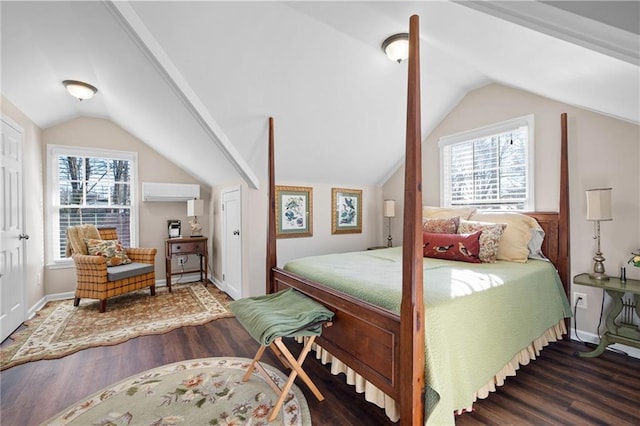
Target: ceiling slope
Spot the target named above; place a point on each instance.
(196, 81)
(165, 66)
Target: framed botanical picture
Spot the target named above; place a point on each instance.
(346, 217)
(294, 211)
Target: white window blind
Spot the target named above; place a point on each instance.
(489, 168)
(89, 186)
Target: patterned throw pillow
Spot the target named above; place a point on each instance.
(462, 247)
(441, 226)
(111, 250)
(489, 240)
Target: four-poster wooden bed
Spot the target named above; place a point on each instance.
(384, 347)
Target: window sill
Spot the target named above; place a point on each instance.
(61, 264)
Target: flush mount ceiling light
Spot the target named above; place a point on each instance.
(396, 47)
(80, 89)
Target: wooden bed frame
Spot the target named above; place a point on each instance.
(385, 348)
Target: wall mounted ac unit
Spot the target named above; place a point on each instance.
(169, 192)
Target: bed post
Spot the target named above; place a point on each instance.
(271, 225)
(564, 264)
(412, 320)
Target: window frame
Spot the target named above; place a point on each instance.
(52, 221)
(492, 130)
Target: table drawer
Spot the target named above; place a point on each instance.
(181, 248)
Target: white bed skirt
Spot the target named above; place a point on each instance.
(392, 409)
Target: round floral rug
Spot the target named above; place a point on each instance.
(207, 391)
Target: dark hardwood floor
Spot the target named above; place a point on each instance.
(555, 389)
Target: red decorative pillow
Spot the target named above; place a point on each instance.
(462, 247)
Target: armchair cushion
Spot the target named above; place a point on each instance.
(76, 238)
(111, 250)
(129, 270)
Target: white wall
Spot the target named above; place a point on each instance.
(323, 241)
(603, 152)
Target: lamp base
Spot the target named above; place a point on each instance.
(196, 228)
(598, 276)
(598, 266)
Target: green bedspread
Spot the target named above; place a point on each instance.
(478, 316)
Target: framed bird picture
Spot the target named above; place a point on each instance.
(294, 211)
(346, 214)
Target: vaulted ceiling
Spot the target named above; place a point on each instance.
(196, 81)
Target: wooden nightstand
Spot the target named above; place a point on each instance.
(186, 246)
(624, 331)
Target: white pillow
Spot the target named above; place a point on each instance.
(535, 244)
(514, 245)
(447, 212)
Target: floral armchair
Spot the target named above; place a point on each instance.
(103, 268)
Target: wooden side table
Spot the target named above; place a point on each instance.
(183, 247)
(624, 330)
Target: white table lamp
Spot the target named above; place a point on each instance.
(389, 211)
(598, 209)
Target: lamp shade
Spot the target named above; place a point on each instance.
(599, 204)
(195, 207)
(389, 208)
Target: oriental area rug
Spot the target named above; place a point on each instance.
(60, 329)
(207, 391)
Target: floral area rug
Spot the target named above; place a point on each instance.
(60, 329)
(207, 391)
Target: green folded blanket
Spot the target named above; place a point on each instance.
(282, 314)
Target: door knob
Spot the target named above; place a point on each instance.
(236, 232)
(23, 236)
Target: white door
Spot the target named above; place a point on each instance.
(232, 243)
(12, 312)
